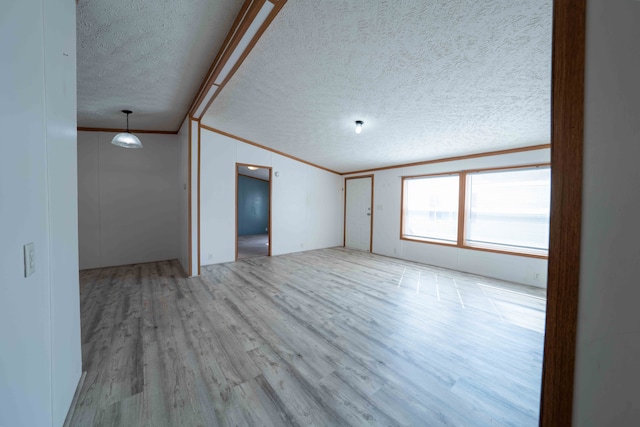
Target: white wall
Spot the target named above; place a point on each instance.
(306, 201)
(386, 224)
(608, 342)
(127, 200)
(40, 358)
(61, 113)
(183, 195)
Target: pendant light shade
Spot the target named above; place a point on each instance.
(126, 139)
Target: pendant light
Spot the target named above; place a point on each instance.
(126, 139)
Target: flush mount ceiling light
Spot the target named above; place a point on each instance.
(126, 139)
(359, 124)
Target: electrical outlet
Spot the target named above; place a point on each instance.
(536, 276)
(29, 259)
(210, 257)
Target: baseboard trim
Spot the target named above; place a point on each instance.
(74, 402)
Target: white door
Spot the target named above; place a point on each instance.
(358, 214)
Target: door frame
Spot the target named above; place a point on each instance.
(344, 228)
(567, 140)
(270, 204)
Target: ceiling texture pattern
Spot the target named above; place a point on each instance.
(149, 56)
(429, 78)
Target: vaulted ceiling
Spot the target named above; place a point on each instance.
(429, 78)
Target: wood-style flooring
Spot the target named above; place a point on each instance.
(329, 337)
(252, 246)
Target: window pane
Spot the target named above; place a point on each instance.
(509, 208)
(431, 208)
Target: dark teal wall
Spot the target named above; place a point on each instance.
(253, 206)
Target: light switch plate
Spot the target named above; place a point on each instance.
(29, 259)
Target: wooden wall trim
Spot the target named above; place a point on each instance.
(344, 228)
(252, 164)
(472, 171)
(160, 132)
(344, 214)
(270, 208)
(241, 24)
(462, 205)
(199, 150)
(209, 76)
(567, 132)
(431, 242)
(236, 211)
(507, 168)
(372, 213)
(190, 200)
(243, 20)
(255, 144)
(452, 159)
(472, 248)
(402, 187)
(276, 9)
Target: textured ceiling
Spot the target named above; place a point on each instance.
(429, 79)
(149, 56)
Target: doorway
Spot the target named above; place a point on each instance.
(358, 213)
(253, 211)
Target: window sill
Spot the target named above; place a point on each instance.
(432, 241)
(495, 249)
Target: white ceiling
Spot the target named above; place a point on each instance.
(148, 56)
(429, 79)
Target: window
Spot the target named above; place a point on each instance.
(430, 208)
(509, 210)
(504, 210)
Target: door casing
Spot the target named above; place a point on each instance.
(344, 237)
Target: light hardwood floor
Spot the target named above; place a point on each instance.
(252, 246)
(328, 337)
